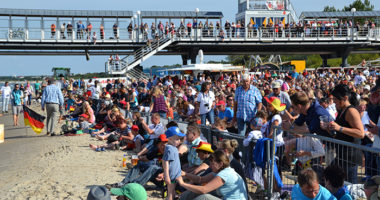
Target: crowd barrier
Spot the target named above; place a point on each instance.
(358, 161)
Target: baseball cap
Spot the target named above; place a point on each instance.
(276, 84)
(173, 131)
(132, 191)
(257, 122)
(162, 138)
(221, 102)
(84, 115)
(135, 128)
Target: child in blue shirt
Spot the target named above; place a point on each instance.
(171, 163)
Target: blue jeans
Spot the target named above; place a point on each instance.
(209, 116)
(162, 114)
(5, 104)
(352, 174)
(141, 173)
(243, 126)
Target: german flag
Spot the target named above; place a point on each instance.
(33, 119)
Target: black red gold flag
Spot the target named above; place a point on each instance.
(33, 119)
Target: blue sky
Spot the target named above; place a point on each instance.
(38, 65)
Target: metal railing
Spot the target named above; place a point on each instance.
(123, 35)
(127, 63)
(358, 161)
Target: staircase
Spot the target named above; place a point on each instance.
(293, 12)
(129, 62)
(137, 74)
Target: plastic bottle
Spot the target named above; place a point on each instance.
(125, 160)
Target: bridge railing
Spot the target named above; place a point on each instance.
(122, 34)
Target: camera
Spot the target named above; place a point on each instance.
(206, 105)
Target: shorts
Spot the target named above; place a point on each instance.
(16, 110)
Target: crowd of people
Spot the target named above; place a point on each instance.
(340, 28)
(342, 105)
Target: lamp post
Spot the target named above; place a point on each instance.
(138, 25)
(196, 27)
(134, 25)
(353, 10)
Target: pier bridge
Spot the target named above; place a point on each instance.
(102, 32)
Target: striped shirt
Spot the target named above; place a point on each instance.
(52, 94)
(246, 102)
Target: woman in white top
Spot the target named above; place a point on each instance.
(230, 185)
(206, 103)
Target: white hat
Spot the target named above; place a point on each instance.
(276, 84)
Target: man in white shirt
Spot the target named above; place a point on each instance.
(6, 95)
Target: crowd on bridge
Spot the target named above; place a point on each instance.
(194, 28)
(340, 105)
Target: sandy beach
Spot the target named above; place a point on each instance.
(43, 167)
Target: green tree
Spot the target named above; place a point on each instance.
(360, 6)
(330, 9)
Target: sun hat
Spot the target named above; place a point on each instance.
(173, 131)
(135, 128)
(162, 138)
(221, 102)
(84, 115)
(204, 146)
(276, 84)
(99, 193)
(276, 103)
(132, 191)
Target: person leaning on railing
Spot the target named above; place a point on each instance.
(309, 113)
(348, 127)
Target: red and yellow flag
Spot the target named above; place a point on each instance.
(33, 119)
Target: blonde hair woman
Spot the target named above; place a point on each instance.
(88, 110)
(159, 104)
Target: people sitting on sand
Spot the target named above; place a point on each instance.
(149, 166)
(115, 139)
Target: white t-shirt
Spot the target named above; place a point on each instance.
(158, 130)
(359, 79)
(279, 139)
(190, 110)
(203, 99)
(332, 110)
(6, 91)
(253, 135)
(95, 92)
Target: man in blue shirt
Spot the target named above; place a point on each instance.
(224, 112)
(309, 112)
(52, 99)
(248, 101)
(308, 187)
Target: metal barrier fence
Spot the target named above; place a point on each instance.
(212, 34)
(297, 153)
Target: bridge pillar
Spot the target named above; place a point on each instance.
(184, 59)
(193, 59)
(324, 60)
(193, 55)
(344, 54)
